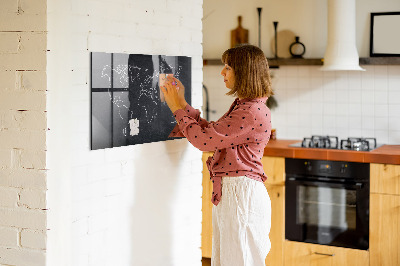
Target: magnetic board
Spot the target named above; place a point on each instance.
(127, 105)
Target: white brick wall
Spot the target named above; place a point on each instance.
(135, 205)
(23, 132)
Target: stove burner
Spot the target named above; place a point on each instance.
(332, 142)
(328, 142)
(358, 144)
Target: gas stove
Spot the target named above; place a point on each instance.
(332, 142)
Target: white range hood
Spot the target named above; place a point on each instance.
(341, 51)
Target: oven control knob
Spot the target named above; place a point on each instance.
(308, 166)
(343, 168)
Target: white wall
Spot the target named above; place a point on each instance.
(306, 19)
(311, 102)
(135, 205)
(23, 133)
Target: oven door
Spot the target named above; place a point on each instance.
(327, 213)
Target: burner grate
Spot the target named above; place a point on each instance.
(327, 142)
(358, 144)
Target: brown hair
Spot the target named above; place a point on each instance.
(250, 66)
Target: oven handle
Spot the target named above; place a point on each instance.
(357, 185)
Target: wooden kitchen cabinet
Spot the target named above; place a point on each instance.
(206, 225)
(305, 254)
(274, 168)
(277, 233)
(384, 236)
(385, 178)
(385, 215)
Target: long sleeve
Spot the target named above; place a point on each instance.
(232, 130)
(193, 113)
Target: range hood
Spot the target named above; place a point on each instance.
(341, 51)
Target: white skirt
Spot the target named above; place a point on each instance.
(241, 223)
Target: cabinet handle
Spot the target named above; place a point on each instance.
(324, 254)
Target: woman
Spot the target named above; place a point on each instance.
(242, 211)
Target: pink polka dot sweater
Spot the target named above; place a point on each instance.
(238, 139)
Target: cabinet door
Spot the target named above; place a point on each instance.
(277, 233)
(304, 254)
(206, 232)
(385, 178)
(274, 168)
(384, 230)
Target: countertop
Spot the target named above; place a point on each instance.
(389, 154)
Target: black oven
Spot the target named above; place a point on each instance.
(327, 202)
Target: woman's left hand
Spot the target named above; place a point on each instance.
(170, 90)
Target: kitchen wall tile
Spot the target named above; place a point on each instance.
(382, 123)
(354, 122)
(355, 96)
(329, 109)
(327, 99)
(278, 71)
(342, 96)
(329, 122)
(381, 110)
(394, 97)
(380, 71)
(381, 84)
(328, 74)
(278, 83)
(367, 96)
(292, 82)
(317, 120)
(367, 81)
(317, 131)
(317, 95)
(394, 83)
(367, 110)
(381, 136)
(355, 109)
(342, 122)
(331, 131)
(293, 120)
(304, 72)
(316, 82)
(354, 80)
(394, 71)
(355, 132)
(291, 71)
(303, 82)
(304, 108)
(342, 109)
(342, 133)
(329, 93)
(367, 133)
(394, 123)
(381, 97)
(317, 108)
(315, 72)
(368, 122)
(394, 110)
(394, 137)
(342, 80)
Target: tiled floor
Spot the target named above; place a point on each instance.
(206, 261)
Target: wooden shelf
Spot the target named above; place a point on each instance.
(273, 63)
(380, 61)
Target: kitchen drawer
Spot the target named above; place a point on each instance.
(305, 254)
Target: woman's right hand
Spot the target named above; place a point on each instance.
(181, 90)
